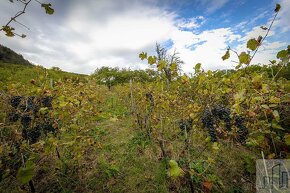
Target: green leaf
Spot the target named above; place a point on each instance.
(244, 58)
(8, 30)
(173, 67)
(276, 125)
(197, 67)
(174, 170)
(143, 55)
(287, 139)
(277, 8)
(25, 174)
(282, 54)
(215, 146)
(252, 44)
(274, 100)
(265, 106)
(227, 55)
(276, 115)
(161, 64)
(48, 9)
(152, 60)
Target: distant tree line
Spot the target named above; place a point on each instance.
(112, 76)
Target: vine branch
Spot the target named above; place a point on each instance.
(17, 14)
(263, 38)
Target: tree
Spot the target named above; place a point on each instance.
(168, 65)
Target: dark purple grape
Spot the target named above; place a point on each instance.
(15, 101)
(223, 114)
(13, 117)
(243, 131)
(25, 121)
(185, 124)
(33, 135)
(46, 101)
(208, 122)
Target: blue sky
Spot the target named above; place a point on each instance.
(84, 35)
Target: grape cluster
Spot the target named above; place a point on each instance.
(15, 101)
(32, 135)
(243, 131)
(29, 105)
(46, 101)
(25, 121)
(13, 116)
(185, 124)
(223, 113)
(26, 109)
(47, 127)
(208, 122)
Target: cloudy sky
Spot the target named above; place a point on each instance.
(84, 35)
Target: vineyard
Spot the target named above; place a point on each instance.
(201, 134)
(144, 131)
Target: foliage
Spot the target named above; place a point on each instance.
(113, 76)
(142, 136)
(167, 64)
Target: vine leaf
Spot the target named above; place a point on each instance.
(227, 55)
(278, 7)
(143, 55)
(259, 40)
(25, 174)
(276, 115)
(197, 67)
(161, 64)
(244, 58)
(8, 30)
(263, 28)
(282, 54)
(174, 170)
(152, 60)
(287, 139)
(252, 44)
(173, 67)
(48, 9)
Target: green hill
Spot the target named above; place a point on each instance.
(18, 73)
(9, 56)
(15, 69)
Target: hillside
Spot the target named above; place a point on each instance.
(23, 74)
(14, 69)
(9, 56)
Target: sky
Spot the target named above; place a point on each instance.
(83, 35)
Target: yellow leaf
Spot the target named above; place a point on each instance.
(274, 100)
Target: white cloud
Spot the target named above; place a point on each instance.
(283, 20)
(106, 33)
(206, 47)
(191, 23)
